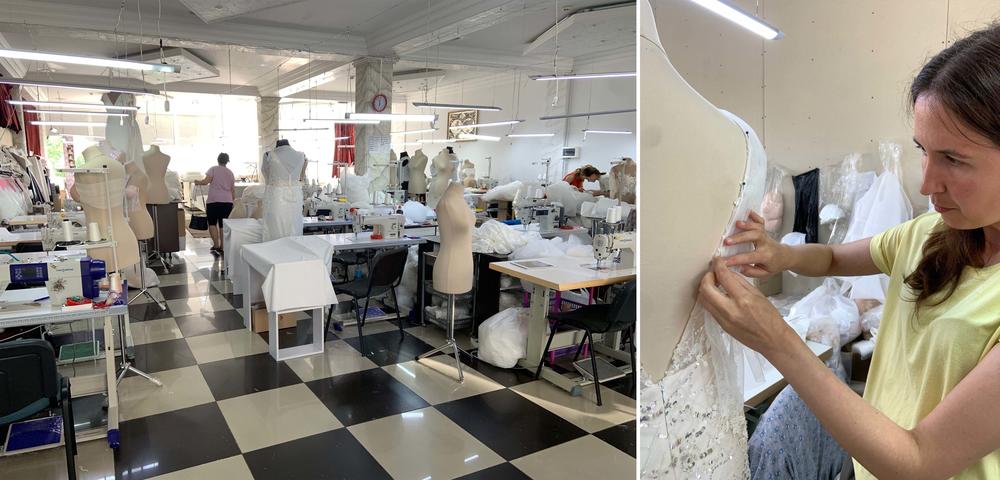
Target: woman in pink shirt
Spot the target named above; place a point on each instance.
(219, 205)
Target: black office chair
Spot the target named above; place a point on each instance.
(349, 259)
(385, 274)
(29, 384)
(618, 316)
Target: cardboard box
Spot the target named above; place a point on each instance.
(260, 324)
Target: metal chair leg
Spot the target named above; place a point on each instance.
(593, 365)
(69, 433)
(579, 348)
(631, 351)
(541, 361)
(399, 320)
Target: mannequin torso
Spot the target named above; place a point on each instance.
(90, 189)
(468, 174)
(443, 165)
(453, 267)
(156, 163)
(418, 175)
(135, 199)
(622, 181)
(283, 169)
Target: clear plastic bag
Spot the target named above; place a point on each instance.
(772, 207)
(503, 337)
(839, 188)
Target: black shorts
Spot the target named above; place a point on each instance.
(216, 211)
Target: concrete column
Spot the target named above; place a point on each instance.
(371, 142)
(267, 122)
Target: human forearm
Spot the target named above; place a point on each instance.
(811, 260)
(879, 444)
(818, 260)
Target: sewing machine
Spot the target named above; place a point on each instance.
(63, 277)
(337, 210)
(620, 246)
(384, 227)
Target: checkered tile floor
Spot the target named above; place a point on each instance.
(227, 410)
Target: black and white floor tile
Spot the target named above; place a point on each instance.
(228, 410)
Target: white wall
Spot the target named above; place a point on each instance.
(513, 158)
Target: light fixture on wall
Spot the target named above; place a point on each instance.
(488, 108)
(412, 132)
(490, 124)
(77, 86)
(39, 103)
(68, 112)
(582, 76)
(412, 117)
(587, 131)
(530, 135)
(85, 60)
(438, 140)
(588, 114)
(67, 124)
(742, 18)
(302, 129)
(472, 136)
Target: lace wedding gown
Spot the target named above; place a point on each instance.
(282, 170)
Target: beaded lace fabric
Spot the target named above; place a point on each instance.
(282, 170)
(691, 421)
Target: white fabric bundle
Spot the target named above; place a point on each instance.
(506, 192)
(499, 238)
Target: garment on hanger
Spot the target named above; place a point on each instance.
(807, 205)
(696, 427)
(282, 172)
(123, 132)
(622, 181)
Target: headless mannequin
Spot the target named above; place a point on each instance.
(283, 170)
(453, 267)
(622, 178)
(156, 169)
(138, 216)
(444, 168)
(418, 175)
(468, 174)
(708, 155)
(90, 190)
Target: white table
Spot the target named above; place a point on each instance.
(756, 391)
(44, 313)
(565, 273)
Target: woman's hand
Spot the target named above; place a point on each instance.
(743, 311)
(768, 257)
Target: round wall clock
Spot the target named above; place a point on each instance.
(379, 102)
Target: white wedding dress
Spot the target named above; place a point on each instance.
(691, 421)
(282, 171)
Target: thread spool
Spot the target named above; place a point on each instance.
(93, 232)
(115, 281)
(67, 231)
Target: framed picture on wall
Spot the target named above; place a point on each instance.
(458, 118)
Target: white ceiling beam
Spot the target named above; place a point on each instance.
(447, 21)
(594, 15)
(467, 58)
(11, 67)
(270, 84)
(96, 23)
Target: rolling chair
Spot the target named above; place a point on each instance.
(29, 384)
(617, 316)
(385, 274)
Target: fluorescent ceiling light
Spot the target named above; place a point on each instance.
(300, 129)
(610, 132)
(67, 112)
(410, 143)
(307, 84)
(582, 76)
(488, 108)
(341, 138)
(491, 124)
(530, 135)
(70, 104)
(78, 86)
(68, 124)
(415, 117)
(438, 140)
(471, 136)
(85, 60)
(345, 146)
(588, 114)
(410, 132)
(349, 121)
(738, 16)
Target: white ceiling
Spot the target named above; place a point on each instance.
(268, 43)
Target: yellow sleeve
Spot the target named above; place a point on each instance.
(886, 246)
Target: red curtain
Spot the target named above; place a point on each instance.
(343, 155)
(33, 135)
(8, 114)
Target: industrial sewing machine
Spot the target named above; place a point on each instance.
(618, 246)
(63, 277)
(384, 226)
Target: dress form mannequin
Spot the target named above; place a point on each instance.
(691, 395)
(453, 267)
(468, 173)
(156, 163)
(622, 181)
(90, 189)
(283, 170)
(706, 149)
(443, 168)
(418, 175)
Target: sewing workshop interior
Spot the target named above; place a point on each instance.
(272, 239)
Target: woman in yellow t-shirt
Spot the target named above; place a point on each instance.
(931, 407)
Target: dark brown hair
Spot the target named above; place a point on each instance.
(964, 79)
(223, 159)
(588, 170)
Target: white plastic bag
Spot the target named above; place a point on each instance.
(498, 238)
(416, 212)
(830, 314)
(505, 192)
(503, 337)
